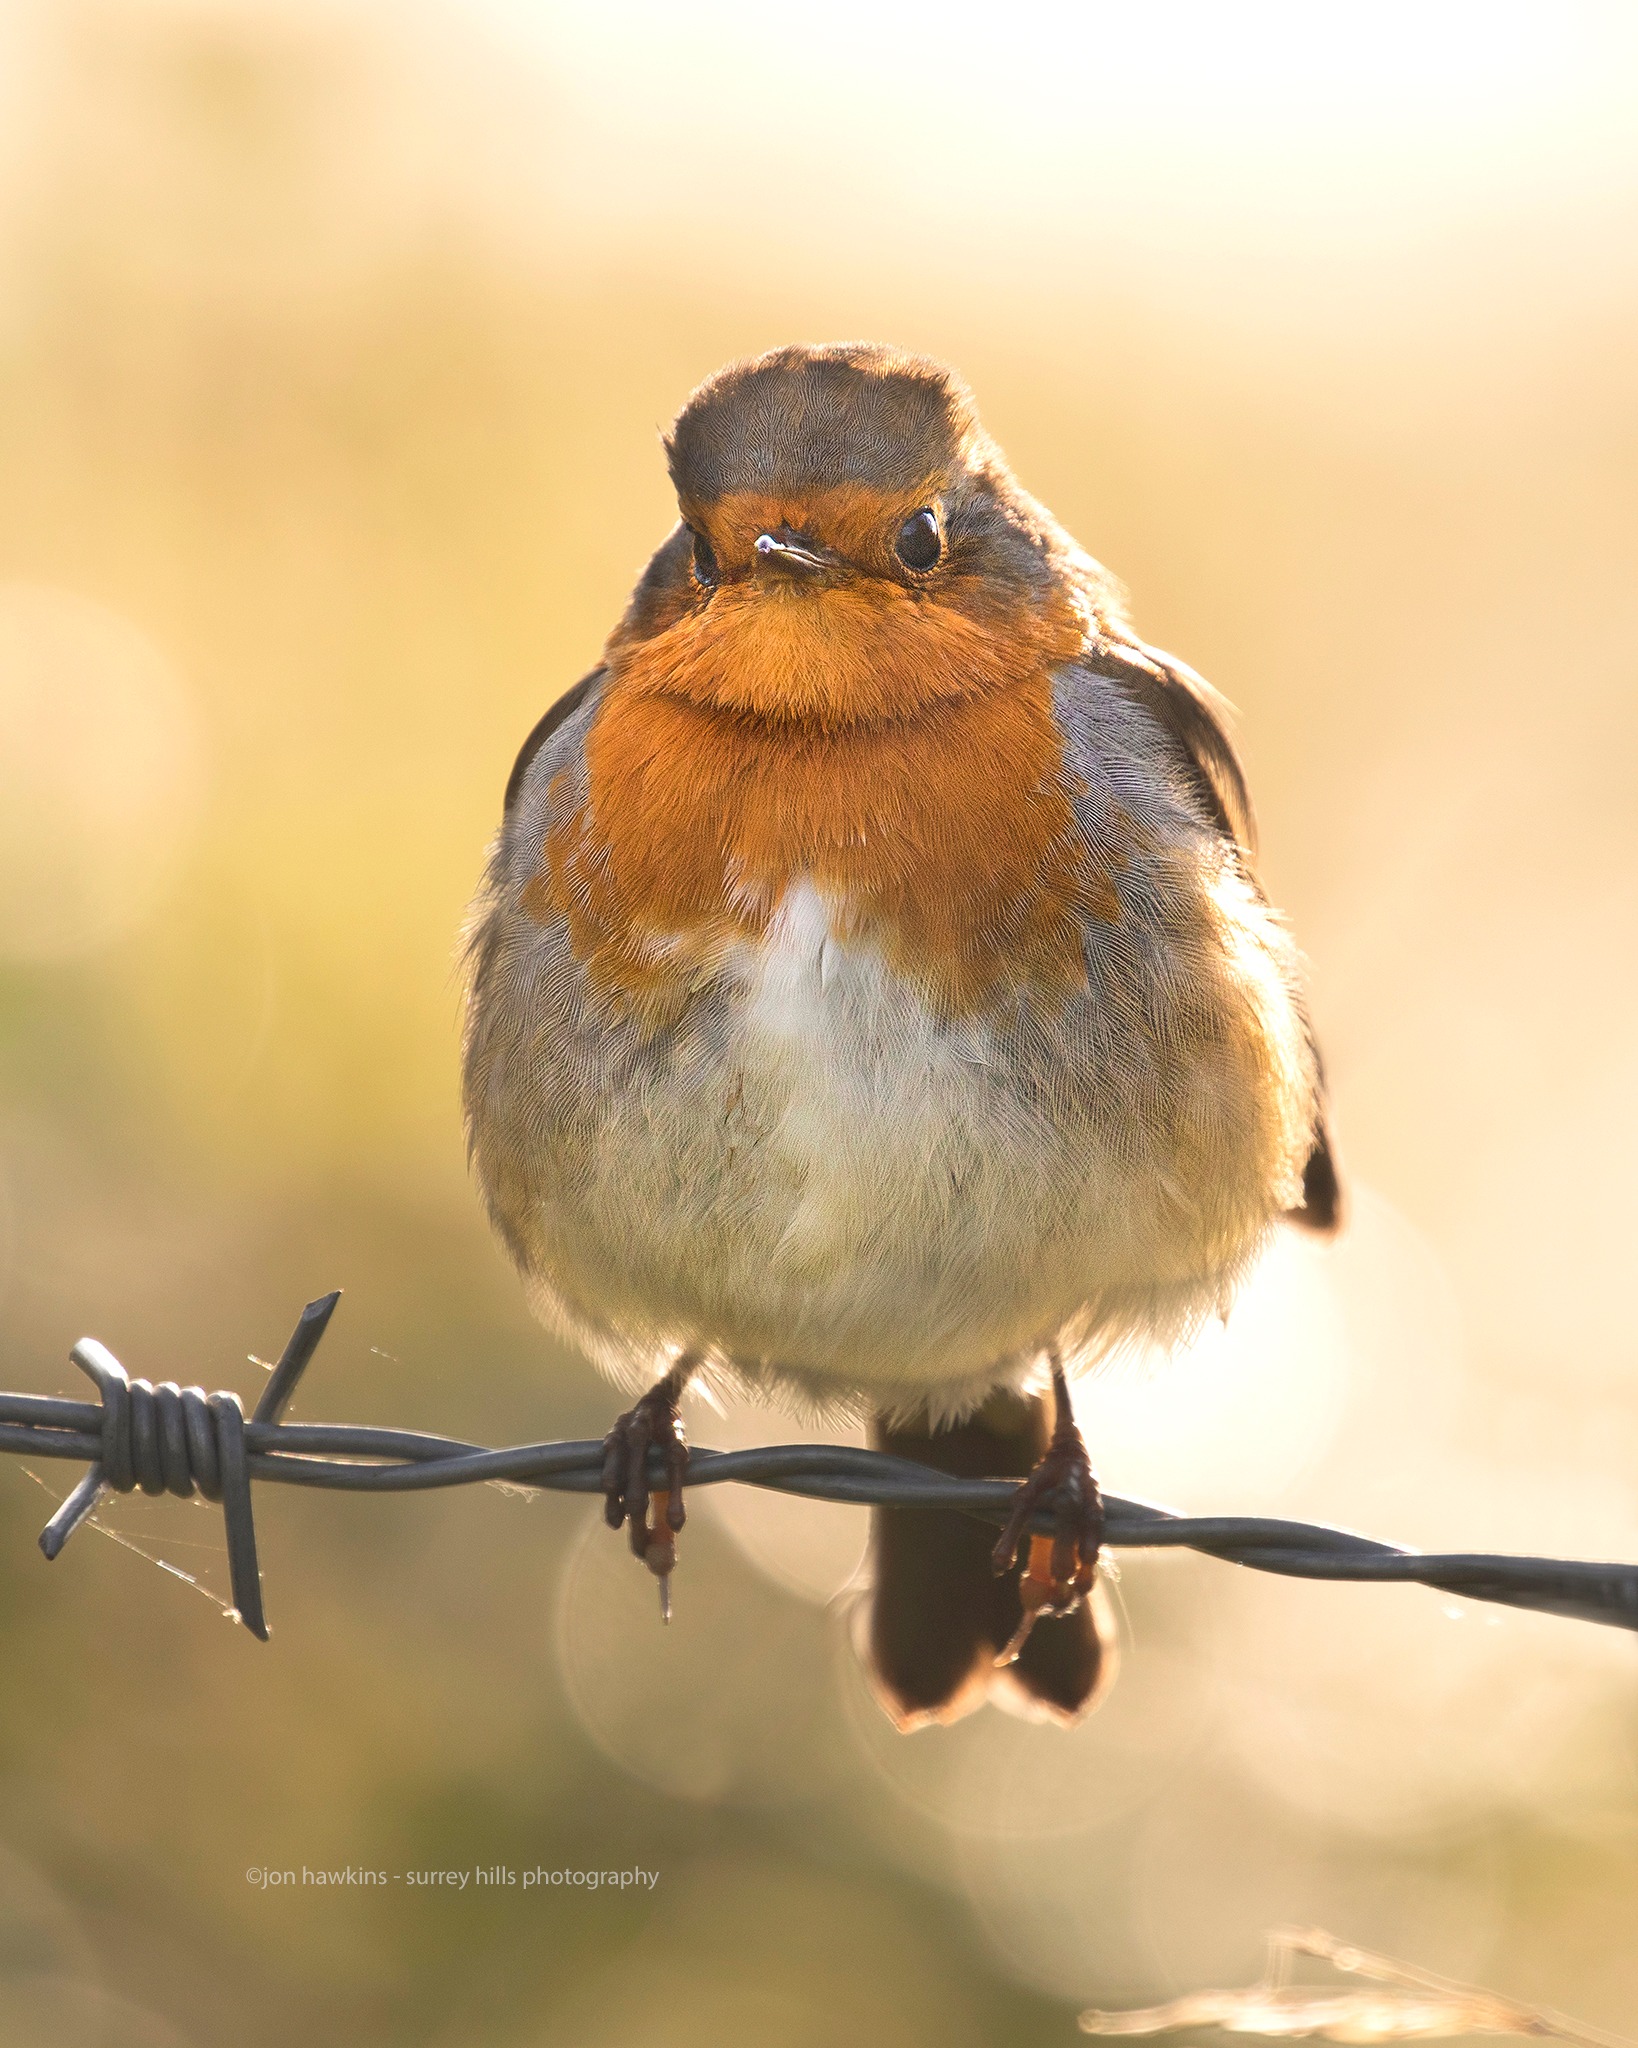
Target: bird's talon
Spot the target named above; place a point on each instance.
(1063, 1566)
(652, 1518)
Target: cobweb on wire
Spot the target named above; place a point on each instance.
(123, 1504)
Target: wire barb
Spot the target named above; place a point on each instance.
(181, 1440)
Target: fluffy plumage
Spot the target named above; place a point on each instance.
(806, 1165)
(870, 1020)
(871, 990)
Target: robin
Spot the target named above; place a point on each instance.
(872, 999)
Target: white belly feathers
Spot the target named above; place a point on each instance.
(817, 1182)
(821, 1185)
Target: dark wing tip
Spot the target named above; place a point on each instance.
(1322, 1208)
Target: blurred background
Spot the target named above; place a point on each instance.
(334, 343)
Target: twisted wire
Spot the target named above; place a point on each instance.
(171, 1439)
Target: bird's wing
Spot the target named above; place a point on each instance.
(565, 707)
(1196, 716)
(516, 947)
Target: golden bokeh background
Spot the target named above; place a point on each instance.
(333, 344)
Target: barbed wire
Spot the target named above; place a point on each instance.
(181, 1440)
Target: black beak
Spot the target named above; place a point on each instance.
(789, 554)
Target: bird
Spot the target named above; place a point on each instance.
(872, 1003)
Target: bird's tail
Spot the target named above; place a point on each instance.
(939, 1616)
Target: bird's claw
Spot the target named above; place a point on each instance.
(653, 1518)
(1062, 1567)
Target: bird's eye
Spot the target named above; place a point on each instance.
(705, 562)
(919, 542)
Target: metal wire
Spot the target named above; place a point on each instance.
(181, 1440)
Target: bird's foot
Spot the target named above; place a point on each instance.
(654, 1518)
(1062, 1567)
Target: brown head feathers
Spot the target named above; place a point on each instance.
(857, 481)
(812, 419)
(840, 668)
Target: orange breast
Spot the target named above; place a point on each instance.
(931, 810)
